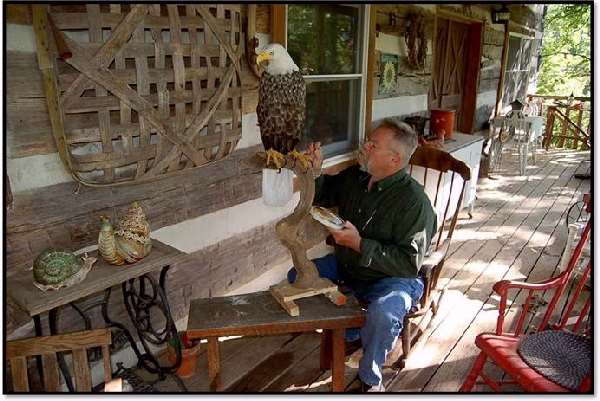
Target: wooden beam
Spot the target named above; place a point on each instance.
(279, 24)
(47, 64)
(469, 101)
(370, 68)
(18, 14)
(500, 90)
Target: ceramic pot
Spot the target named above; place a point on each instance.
(189, 359)
(442, 123)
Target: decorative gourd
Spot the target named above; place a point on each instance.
(130, 242)
(54, 268)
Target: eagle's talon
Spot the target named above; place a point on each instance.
(277, 158)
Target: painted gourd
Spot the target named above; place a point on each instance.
(130, 242)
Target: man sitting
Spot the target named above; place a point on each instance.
(379, 251)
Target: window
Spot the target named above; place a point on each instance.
(521, 51)
(328, 43)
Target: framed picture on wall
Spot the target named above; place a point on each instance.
(388, 73)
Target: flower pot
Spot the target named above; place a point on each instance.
(442, 123)
(189, 357)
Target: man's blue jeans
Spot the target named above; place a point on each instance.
(388, 300)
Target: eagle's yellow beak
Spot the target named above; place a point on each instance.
(262, 57)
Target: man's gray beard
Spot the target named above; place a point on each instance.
(363, 161)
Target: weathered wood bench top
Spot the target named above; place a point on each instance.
(259, 313)
(21, 290)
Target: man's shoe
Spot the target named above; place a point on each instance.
(365, 388)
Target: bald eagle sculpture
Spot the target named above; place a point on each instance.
(281, 104)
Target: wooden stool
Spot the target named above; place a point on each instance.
(260, 314)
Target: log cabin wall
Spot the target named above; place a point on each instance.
(214, 214)
(409, 97)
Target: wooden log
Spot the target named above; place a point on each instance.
(46, 64)
(18, 14)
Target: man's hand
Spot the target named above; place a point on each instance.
(313, 152)
(348, 236)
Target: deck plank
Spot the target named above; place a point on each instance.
(278, 363)
(300, 377)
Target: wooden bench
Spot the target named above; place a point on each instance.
(260, 314)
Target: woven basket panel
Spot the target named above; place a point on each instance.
(150, 89)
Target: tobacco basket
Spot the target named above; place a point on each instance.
(137, 91)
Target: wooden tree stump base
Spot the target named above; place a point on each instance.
(285, 293)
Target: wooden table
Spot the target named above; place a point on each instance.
(102, 277)
(259, 314)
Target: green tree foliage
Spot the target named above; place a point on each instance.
(566, 50)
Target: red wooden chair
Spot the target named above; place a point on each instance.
(501, 347)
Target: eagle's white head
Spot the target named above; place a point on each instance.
(278, 61)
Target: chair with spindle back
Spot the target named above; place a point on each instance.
(434, 166)
(504, 347)
(18, 351)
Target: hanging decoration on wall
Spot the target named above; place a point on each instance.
(416, 42)
(388, 70)
(138, 91)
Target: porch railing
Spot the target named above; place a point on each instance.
(567, 120)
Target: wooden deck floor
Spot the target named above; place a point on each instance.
(517, 231)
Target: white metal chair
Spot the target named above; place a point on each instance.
(517, 129)
(537, 133)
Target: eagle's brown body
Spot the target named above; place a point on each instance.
(281, 110)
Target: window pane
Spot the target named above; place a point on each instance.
(525, 54)
(514, 50)
(323, 38)
(332, 114)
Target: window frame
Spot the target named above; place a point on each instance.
(532, 51)
(279, 29)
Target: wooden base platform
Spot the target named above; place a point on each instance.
(285, 293)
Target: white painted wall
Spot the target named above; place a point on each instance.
(486, 98)
(20, 37)
(194, 234)
(390, 44)
(394, 106)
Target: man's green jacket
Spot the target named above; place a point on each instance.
(395, 220)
